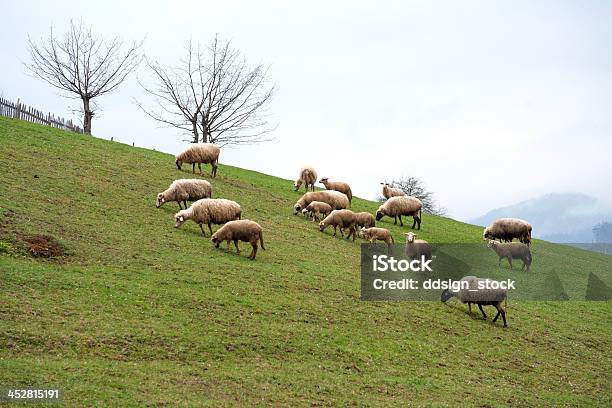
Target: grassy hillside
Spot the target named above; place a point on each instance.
(140, 313)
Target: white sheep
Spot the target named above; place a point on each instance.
(335, 199)
(506, 229)
(209, 211)
(200, 153)
(416, 248)
(474, 290)
(389, 191)
(510, 251)
(337, 186)
(183, 190)
(240, 230)
(397, 206)
(308, 177)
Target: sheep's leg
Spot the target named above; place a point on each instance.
(342, 232)
(510, 261)
(200, 167)
(484, 316)
(210, 228)
(401, 222)
(395, 220)
(334, 230)
(500, 310)
(193, 168)
(254, 251)
(236, 245)
(202, 228)
(179, 203)
(185, 202)
(228, 246)
(213, 172)
(470, 307)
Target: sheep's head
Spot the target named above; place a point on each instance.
(322, 226)
(304, 211)
(179, 163)
(379, 215)
(324, 180)
(486, 234)
(179, 219)
(160, 200)
(297, 208)
(446, 294)
(490, 243)
(410, 237)
(215, 239)
(297, 184)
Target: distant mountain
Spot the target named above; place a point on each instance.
(556, 217)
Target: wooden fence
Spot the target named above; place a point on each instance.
(18, 110)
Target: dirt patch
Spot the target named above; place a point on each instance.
(43, 246)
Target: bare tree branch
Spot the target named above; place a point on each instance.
(215, 92)
(82, 65)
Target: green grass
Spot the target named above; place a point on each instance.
(140, 313)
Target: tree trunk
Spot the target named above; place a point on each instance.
(87, 117)
(196, 136)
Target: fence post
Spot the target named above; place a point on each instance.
(17, 114)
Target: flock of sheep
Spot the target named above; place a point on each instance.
(332, 205)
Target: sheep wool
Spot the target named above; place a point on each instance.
(335, 199)
(510, 251)
(183, 190)
(506, 229)
(416, 248)
(376, 234)
(338, 186)
(473, 290)
(397, 206)
(364, 220)
(240, 230)
(317, 208)
(209, 211)
(200, 153)
(340, 218)
(308, 177)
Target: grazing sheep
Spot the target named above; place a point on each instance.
(200, 153)
(183, 190)
(480, 296)
(308, 176)
(510, 251)
(337, 186)
(315, 208)
(335, 199)
(340, 218)
(398, 206)
(209, 211)
(376, 234)
(416, 248)
(240, 230)
(364, 220)
(506, 229)
(389, 191)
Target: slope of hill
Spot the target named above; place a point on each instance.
(558, 217)
(139, 313)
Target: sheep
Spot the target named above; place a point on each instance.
(376, 234)
(475, 291)
(240, 230)
(199, 153)
(335, 199)
(183, 190)
(364, 220)
(340, 218)
(315, 208)
(337, 186)
(209, 211)
(506, 229)
(389, 191)
(398, 206)
(308, 176)
(510, 251)
(417, 248)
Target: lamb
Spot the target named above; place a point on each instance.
(417, 248)
(335, 199)
(473, 290)
(398, 206)
(510, 251)
(240, 230)
(340, 218)
(315, 208)
(506, 229)
(376, 234)
(308, 176)
(183, 190)
(209, 211)
(337, 186)
(200, 153)
(389, 191)
(364, 220)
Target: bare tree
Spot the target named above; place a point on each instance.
(82, 65)
(415, 187)
(212, 94)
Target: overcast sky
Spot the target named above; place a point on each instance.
(490, 102)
